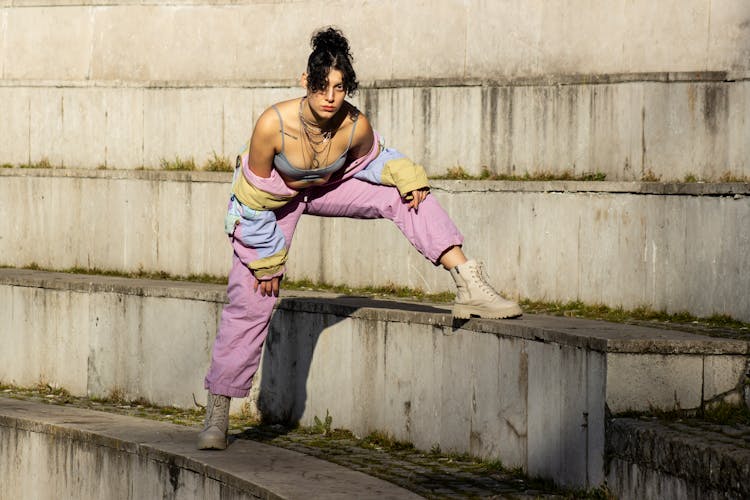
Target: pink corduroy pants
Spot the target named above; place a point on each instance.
(245, 319)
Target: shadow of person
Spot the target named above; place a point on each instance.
(294, 333)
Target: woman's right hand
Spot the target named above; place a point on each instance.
(268, 287)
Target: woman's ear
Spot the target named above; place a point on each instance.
(303, 81)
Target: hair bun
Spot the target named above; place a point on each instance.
(330, 40)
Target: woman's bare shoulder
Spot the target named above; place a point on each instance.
(363, 136)
(286, 108)
(363, 124)
(267, 127)
(267, 123)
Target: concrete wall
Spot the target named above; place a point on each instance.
(626, 130)
(673, 247)
(629, 89)
(267, 41)
(122, 340)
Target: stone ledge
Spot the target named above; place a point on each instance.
(248, 469)
(451, 186)
(600, 336)
(546, 80)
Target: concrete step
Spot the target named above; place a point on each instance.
(671, 246)
(678, 459)
(94, 455)
(532, 392)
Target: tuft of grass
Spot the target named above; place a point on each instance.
(720, 413)
(43, 163)
(6, 165)
(116, 396)
(388, 290)
(218, 163)
(724, 413)
(640, 314)
(381, 440)
(153, 275)
(458, 173)
(650, 176)
(177, 164)
(730, 177)
(690, 178)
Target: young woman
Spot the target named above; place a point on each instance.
(319, 155)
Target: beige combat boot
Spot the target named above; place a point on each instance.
(214, 434)
(476, 297)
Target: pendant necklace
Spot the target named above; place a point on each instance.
(319, 140)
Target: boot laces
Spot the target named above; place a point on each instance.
(481, 279)
(217, 416)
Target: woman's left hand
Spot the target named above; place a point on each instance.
(418, 196)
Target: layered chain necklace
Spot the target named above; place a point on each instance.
(318, 139)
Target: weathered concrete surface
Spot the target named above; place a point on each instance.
(94, 455)
(642, 381)
(530, 392)
(194, 40)
(672, 247)
(627, 129)
(629, 90)
(677, 460)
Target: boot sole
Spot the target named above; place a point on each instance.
(212, 445)
(212, 442)
(466, 312)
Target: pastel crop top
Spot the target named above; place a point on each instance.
(283, 165)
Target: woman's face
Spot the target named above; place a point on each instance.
(325, 103)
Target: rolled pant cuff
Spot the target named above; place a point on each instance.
(225, 390)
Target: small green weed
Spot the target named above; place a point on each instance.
(322, 427)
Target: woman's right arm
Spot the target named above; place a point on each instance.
(263, 143)
(262, 232)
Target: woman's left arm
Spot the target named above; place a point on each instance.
(390, 167)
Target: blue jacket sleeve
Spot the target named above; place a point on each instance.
(257, 229)
(391, 168)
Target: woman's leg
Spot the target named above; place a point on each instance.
(239, 340)
(244, 320)
(429, 229)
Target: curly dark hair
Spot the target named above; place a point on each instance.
(330, 51)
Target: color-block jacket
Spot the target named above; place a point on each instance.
(251, 219)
